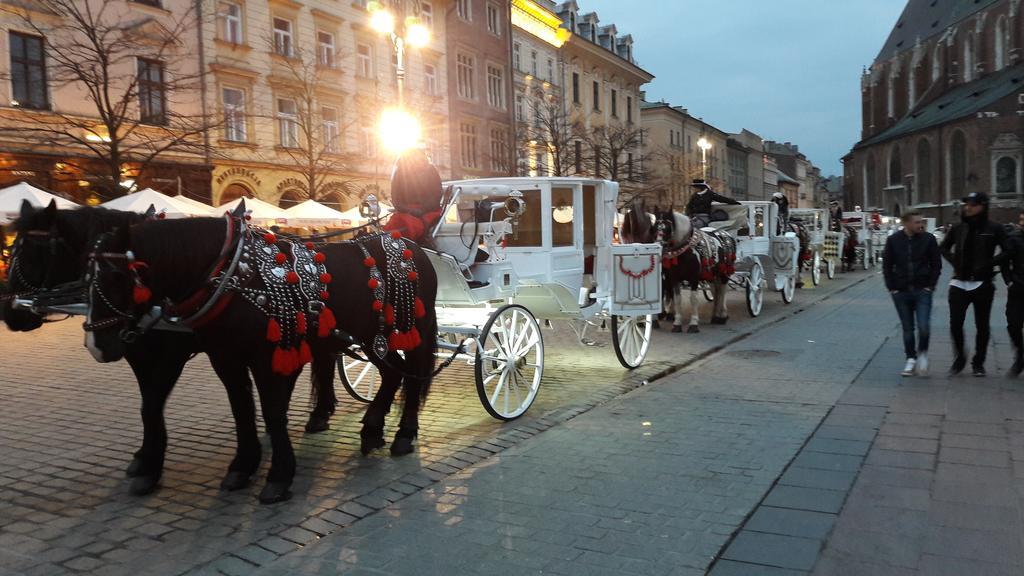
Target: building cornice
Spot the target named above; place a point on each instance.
(624, 66)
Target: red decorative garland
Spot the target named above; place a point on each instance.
(637, 275)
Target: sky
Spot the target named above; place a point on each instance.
(788, 70)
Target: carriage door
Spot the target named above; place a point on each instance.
(565, 226)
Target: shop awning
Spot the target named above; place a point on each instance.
(263, 213)
(12, 197)
(206, 209)
(169, 206)
(313, 213)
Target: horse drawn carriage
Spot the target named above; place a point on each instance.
(862, 245)
(511, 252)
(824, 251)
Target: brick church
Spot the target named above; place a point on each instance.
(943, 112)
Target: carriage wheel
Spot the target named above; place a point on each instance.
(509, 362)
(755, 289)
(631, 337)
(360, 379)
(788, 289)
(816, 269)
(830, 268)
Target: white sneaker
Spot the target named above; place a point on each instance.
(922, 364)
(908, 369)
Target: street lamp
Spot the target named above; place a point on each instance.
(704, 146)
(407, 31)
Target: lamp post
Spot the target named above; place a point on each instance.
(704, 146)
(399, 129)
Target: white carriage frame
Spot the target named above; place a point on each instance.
(866, 249)
(817, 221)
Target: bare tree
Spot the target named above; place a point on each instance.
(615, 152)
(136, 79)
(549, 130)
(311, 123)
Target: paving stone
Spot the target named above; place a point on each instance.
(824, 461)
(802, 523)
(773, 550)
(906, 444)
(975, 457)
(894, 476)
(846, 433)
(925, 432)
(833, 446)
(731, 568)
(901, 459)
(812, 478)
(811, 499)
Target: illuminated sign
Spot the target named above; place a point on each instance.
(539, 21)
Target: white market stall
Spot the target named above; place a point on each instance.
(140, 202)
(12, 197)
(313, 213)
(202, 208)
(262, 213)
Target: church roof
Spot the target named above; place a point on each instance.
(960, 102)
(925, 18)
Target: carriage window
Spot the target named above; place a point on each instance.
(529, 230)
(589, 216)
(562, 217)
(759, 222)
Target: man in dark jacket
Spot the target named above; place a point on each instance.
(911, 264)
(1013, 274)
(699, 206)
(970, 247)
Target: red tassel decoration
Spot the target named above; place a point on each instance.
(279, 362)
(300, 323)
(273, 331)
(325, 278)
(327, 323)
(325, 296)
(319, 258)
(270, 238)
(389, 314)
(420, 309)
(373, 283)
(404, 340)
(141, 294)
(305, 354)
(377, 305)
(369, 262)
(396, 234)
(407, 254)
(291, 277)
(309, 245)
(280, 258)
(413, 276)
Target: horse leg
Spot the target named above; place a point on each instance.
(677, 305)
(275, 394)
(694, 326)
(248, 451)
(722, 307)
(421, 362)
(321, 378)
(372, 433)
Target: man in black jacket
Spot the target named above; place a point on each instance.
(970, 247)
(699, 206)
(911, 264)
(1013, 274)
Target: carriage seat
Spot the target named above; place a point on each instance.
(462, 240)
(737, 217)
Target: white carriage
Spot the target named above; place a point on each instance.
(816, 221)
(861, 223)
(763, 257)
(512, 251)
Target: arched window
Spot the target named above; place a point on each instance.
(958, 165)
(968, 63)
(870, 184)
(1006, 176)
(923, 170)
(895, 166)
(1002, 43)
(234, 192)
(290, 198)
(911, 87)
(890, 87)
(937, 63)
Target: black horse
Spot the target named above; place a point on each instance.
(170, 262)
(51, 250)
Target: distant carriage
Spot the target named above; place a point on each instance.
(824, 244)
(860, 224)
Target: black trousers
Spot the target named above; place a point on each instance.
(959, 300)
(1015, 317)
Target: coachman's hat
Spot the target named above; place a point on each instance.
(975, 198)
(699, 183)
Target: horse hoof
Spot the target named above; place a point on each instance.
(719, 320)
(142, 485)
(275, 492)
(234, 480)
(677, 329)
(403, 445)
(368, 445)
(317, 423)
(134, 468)
(692, 329)
(656, 325)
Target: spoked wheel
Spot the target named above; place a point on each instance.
(360, 379)
(816, 269)
(755, 290)
(788, 289)
(509, 362)
(830, 268)
(631, 337)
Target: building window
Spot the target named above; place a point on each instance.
(958, 165)
(895, 167)
(364, 61)
(331, 130)
(467, 141)
(597, 96)
(520, 108)
(923, 166)
(427, 15)
(370, 142)
(517, 59)
(498, 149)
(434, 149)
(326, 52)
(629, 109)
(1006, 176)
(968, 72)
(937, 63)
(1002, 41)
(152, 92)
(578, 155)
(464, 76)
(575, 87)
(231, 22)
(495, 87)
(430, 74)
(233, 100)
(493, 20)
(283, 45)
(551, 70)
(288, 123)
(533, 63)
(464, 9)
(615, 103)
(28, 72)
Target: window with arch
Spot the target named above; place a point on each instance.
(937, 62)
(958, 165)
(923, 170)
(911, 86)
(870, 189)
(891, 95)
(290, 198)
(895, 166)
(234, 191)
(1002, 44)
(1006, 176)
(968, 63)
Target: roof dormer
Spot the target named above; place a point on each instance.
(624, 47)
(606, 37)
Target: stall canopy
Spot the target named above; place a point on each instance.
(12, 197)
(169, 206)
(313, 213)
(263, 213)
(206, 209)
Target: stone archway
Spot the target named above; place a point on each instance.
(291, 197)
(234, 191)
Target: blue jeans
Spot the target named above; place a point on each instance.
(914, 306)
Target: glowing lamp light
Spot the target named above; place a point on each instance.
(128, 183)
(416, 33)
(93, 137)
(703, 144)
(562, 214)
(380, 19)
(399, 130)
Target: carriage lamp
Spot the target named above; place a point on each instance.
(562, 214)
(399, 130)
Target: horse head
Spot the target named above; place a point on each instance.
(117, 297)
(636, 223)
(672, 228)
(40, 259)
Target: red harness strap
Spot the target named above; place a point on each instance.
(199, 298)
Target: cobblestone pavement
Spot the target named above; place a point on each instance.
(68, 427)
